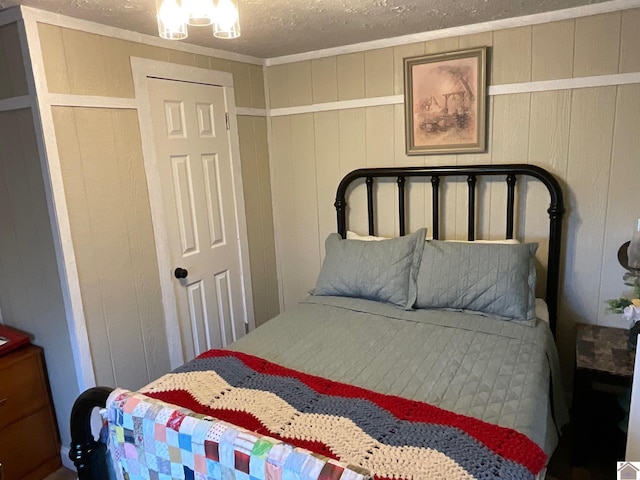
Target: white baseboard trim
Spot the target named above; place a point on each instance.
(66, 461)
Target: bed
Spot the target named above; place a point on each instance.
(414, 357)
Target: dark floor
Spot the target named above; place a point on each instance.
(605, 445)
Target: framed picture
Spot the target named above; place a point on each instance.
(444, 102)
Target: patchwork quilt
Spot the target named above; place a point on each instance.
(389, 436)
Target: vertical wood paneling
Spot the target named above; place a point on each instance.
(324, 78)
(299, 80)
(242, 84)
(87, 75)
(278, 86)
(441, 45)
(306, 203)
(548, 148)
(256, 74)
(597, 45)
(630, 41)
(511, 56)
(623, 205)
(552, 50)
(378, 72)
(115, 57)
(484, 39)
(353, 155)
(10, 46)
(380, 152)
(350, 76)
(399, 54)
(266, 218)
(284, 209)
(55, 61)
(220, 64)
(180, 57)
(327, 156)
(590, 141)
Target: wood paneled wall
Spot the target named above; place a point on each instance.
(107, 198)
(12, 77)
(587, 137)
(30, 290)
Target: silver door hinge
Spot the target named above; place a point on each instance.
(226, 118)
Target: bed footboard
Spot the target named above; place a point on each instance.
(87, 454)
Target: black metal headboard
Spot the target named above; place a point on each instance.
(509, 171)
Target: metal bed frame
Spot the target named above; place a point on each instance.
(89, 455)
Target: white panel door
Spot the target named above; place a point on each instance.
(194, 164)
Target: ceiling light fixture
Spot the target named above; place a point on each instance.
(175, 15)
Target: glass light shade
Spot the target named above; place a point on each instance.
(199, 12)
(633, 252)
(227, 20)
(172, 21)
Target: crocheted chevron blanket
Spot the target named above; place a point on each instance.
(392, 437)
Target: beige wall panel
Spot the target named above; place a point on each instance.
(5, 76)
(30, 292)
(630, 41)
(55, 61)
(284, 209)
(110, 249)
(378, 72)
(510, 145)
(278, 86)
(380, 152)
(399, 54)
(242, 84)
(141, 241)
(324, 78)
(256, 74)
(266, 216)
(251, 188)
(306, 202)
(597, 45)
(448, 200)
(299, 80)
(588, 182)
(72, 171)
(623, 203)
(147, 51)
(87, 73)
(511, 56)
(201, 61)
(548, 148)
(220, 64)
(353, 155)
(552, 50)
(484, 39)
(441, 45)
(180, 57)
(116, 59)
(327, 153)
(351, 76)
(10, 41)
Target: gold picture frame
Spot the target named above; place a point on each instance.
(445, 102)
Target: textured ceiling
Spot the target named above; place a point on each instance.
(281, 27)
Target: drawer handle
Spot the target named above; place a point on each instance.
(2, 402)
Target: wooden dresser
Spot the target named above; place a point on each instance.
(29, 442)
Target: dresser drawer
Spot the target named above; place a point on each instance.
(22, 389)
(30, 445)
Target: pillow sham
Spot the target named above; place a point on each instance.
(492, 279)
(385, 270)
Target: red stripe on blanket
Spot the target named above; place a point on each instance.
(503, 441)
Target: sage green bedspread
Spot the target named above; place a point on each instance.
(494, 370)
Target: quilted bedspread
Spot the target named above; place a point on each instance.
(390, 436)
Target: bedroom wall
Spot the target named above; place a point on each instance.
(30, 290)
(107, 199)
(587, 137)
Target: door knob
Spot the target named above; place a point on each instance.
(180, 273)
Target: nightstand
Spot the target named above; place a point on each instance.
(604, 363)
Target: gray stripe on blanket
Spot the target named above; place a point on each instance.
(472, 455)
